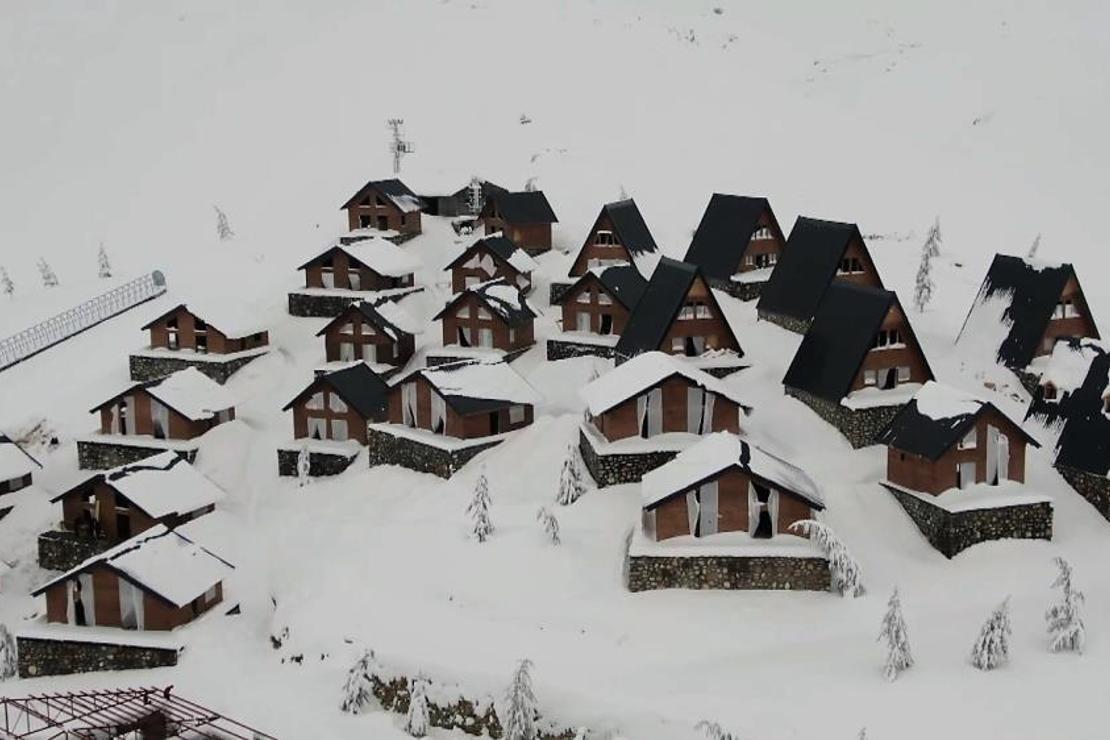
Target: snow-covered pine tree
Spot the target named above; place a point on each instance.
(898, 656)
(417, 722)
(479, 509)
(7, 653)
(520, 709)
(304, 466)
(49, 279)
(6, 284)
(549, 523)
(571, 486)
(1034, 247)
(530, 185)
(923, 286)
(357, 690)
(992, 648)
(104, 267)
(843, 568)
(714, 731)
(1065, 620)
(223, 228)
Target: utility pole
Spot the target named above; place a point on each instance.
(398, 145)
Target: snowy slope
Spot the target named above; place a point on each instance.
(125, 123)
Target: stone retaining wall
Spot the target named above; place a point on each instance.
(60, 550)
(1030, 381)
(743, 291)
(859, 425)
(386, 449)
(103, 455)
(144, 368)
(319, 463)
(610, 470)
(952, 532)
(434, 360)
(646, 573)
(560, 350)
(41, 657)
(330, 306)
(557, 291)
(1094, 488)
(798, 326)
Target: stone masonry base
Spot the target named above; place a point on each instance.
(646, 573)
(63, 550)
(1094, 488)
(330, 306)
(104, 455)
(743, 291)
(434, 360)
(798, 326)
(859, 425)
(559, 350)
(319, 463)
(144, 368)
(610, 470)
(557, 291)
(952, 532)
(386, 449)
(41, 657)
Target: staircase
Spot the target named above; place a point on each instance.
(73, 321)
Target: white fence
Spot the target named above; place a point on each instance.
(61, 327)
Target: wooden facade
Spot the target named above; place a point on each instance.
(321, 413)
(102, 513)
(602, 247)
(469, 322)
(420, 396)
(137, 412)
(532, 238)
(700, 325)
(764, 246)
(895, 357)
(104, 609)
(352, 336)
(343, 272)
(681, 405)
(1071, 318)
(375, 210)
(590, 307)
(182, 329)
(468, 272)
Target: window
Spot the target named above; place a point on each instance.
(346, 351)
(887, 338)
(1048, 392)
(604, 238)
(365, 222)
(339, 430)
(851, 266)
(354, 278)
(767, 259)
(749, 260)
(606, 323)
(583, 320)
(370, 352)
(763, 232)
(210, 595)
(903, 373)
(677, 345)
(337, 404)
(315, 402)
(686, 313)
(512, 335)
(701, 311)
(160, 417)
(604, 299)
(408, 404)
(969, 441)
(327, 278)
(484, 313)
(583, 297)
(470, 281)
(694, 346)
(199, 325)
(869, 378)
(464, 311)
(1065, 309)
(516, 414)
(379, 200)
(317, 427)
(485, 338)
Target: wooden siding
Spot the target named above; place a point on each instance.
(1074, 326)
(180, 427)
(378, 212)
(592, 289)
(501, 269)
(532, 238)
(362, 333)
(910, 355)
(186, 333)
(469, 302)
(460, 426)
(591, 250)
(757, 248)
(356, 422)
(715, 329)
(621, 421)
(342, 268)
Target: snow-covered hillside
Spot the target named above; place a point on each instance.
(126, 122)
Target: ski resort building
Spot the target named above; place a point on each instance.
(487, 319)
(359, 266)
(956, 464)
(382, 335)
(107, 508)
(1022, 308)
(619, 236)
(525, 218)
(151, 417)
(595, 310)
(817, 255)
(719, 516)
(385, 206)
(215, 340)
(468, 200)
(859, 361)
(737, 244)
(440, 417)
(492, 258)
(17, 468)
(643, 412)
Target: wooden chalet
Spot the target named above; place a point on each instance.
(737, 244)
(338, 405)
(602, 300)
(1039, 302)
(17, 468)
(525, 218)
(180, 406)
(465, 201)
(204, 332)
(492, 315)
(384, 205)
(619, 236)
(157, 580)
(492, 258)
(677, 313)
(379, 334)
(369, 263)
(817, 254)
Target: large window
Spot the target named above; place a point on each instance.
(315, 401)
(317, 427)
(516, 414)
(886, 338)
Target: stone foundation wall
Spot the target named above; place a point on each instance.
(1030, 381)
(646, 573)
(559, 350)
(434, 360)
(721, 372)
(798, 326)
(859, 426)
(953, 532)
(610, 470)
(104, 455)
(39, 657)
(743, 291)
(330, 306)
(1094, 488)
(63, 550)
(386, 449)
(145, 368)
(557, 291)
(319, 463)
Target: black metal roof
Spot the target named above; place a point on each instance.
(724, 233)
(358, 386)
(629, 224)
(368, 311)
(1084, 441)
(511, 314)
(525, 207)
(623, 282)
(6, 440)
(391, 187)
(807, 266)
(501, 247)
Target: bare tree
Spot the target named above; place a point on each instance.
(49, 279)
(6, 284)
(223, 228)
(923, 286)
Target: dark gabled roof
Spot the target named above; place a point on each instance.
(935, 419)
(807, 266)
(6, 440)
(501, 247)
(1084, 441)
(476, 386)
(512, 312)
(370, 312)
(390, 188)
(526, 207)
(658, 306)
(724, 233)
(840, 336)
(357, 385)
(1034, 290)
(623, 282)
(630, 226)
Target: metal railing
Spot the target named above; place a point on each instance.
(73, 321)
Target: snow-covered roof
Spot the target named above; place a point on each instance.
(506, 300)
(716, 453)
(161, 561)
(503, 248)
(192, 394)
(382, 256)
(642, 372)
(488, 380)
(1066, 368)
(229, 314)
(393, 190)
(939, 401)
(14, 462)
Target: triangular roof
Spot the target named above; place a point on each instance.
(160, 561)
(358, 386)
(1029, 290)
(629, 224)
(633, 377)
(473, 386)
(622, 282)
(525, 207)
(189, 392)
(937, 417)
(395, 191)
(502, 249)
(377, 254)
(384, 314)
(15, 462)
(504, 300)
(725, 232)
(839, 338)
(808, 266)
(717, 453)
(659, 306)
(229, 316)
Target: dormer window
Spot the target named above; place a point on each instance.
(605, 238)
(851, 266)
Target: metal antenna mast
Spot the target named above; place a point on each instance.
(398, 145)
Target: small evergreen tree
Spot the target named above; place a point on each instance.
(1065, 621)
(923, 287)
(417, 722)
(357, 690)
(49, 279)
(714, 731)
(521, 709)
(549, 523)
(304, 466)
(845, 571)
(571, 486)
(580, 733)
(223, 228)
(479, 509)
(898, 657)
(992, 648)
(6, 284)
(7, 654)
(105, 268)
(1034, 247)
